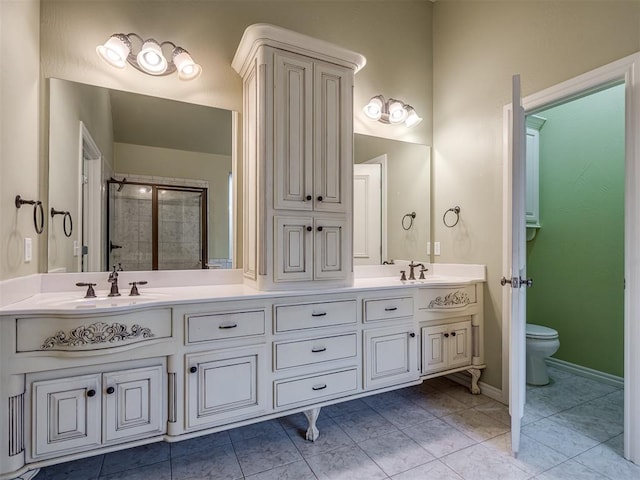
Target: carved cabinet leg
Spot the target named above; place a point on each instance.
(312, 415)
(475, 376)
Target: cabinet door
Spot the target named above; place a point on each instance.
(390, 356)
(331, 254)
(133, 403)
(293, 131)
(293, 258)
(225, 385)
(333, 139)
(66, 415)
(459, 344)
(434, 353)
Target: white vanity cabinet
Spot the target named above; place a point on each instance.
(71, 414)
(446, 346)
(297, 158)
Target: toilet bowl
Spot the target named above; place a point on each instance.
(542, 342)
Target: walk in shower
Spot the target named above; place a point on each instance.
(156, 227)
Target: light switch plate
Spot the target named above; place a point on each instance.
(436, 248)
(28, 250)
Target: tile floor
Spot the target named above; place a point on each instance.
(437, 430)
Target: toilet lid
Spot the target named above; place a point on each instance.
(538, 331)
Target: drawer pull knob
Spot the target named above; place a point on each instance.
(110, 390)
(412, 335)
(193, 369)
(319, 314)
(453, 334)
(91, 393)
(227, 326)
(446, 335)
(319, 349)
(390, 309)
(319, 387)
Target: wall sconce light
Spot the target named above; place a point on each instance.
(391, 112)
(148, 56)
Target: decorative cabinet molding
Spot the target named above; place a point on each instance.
(297, 157)
(96, 333)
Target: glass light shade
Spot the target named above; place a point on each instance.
(397, 112)
(151, 59)
(187, 68)
(115, 50)
(412, 117)
(373, 109)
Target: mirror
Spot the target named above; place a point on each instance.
(404, 199)
(136, 180)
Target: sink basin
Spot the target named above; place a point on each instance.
(66, 301)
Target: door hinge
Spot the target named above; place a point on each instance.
(517, 282)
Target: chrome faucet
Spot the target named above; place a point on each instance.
(113, 280)
(412, 265)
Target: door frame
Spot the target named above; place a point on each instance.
(620, 71)
(382, 160)
(90, 203)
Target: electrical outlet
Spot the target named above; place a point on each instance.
(436, 248)
(28, 250)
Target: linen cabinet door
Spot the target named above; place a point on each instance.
(434, 349)
(293, 131)
(133, 403)
(225, 385)
(332, 255)
(66, 415)
(293, 246)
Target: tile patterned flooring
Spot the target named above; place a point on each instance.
(572, 429)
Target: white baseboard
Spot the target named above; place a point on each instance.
(586, 372)
(490, 391)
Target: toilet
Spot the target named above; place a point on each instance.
(542, 342)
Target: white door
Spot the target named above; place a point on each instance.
(517, 340)
(367, 214)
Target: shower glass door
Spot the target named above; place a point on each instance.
(156, 227)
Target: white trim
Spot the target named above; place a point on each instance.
(622, 70)
(487, 390)
(586, 372)
(382, 161)
(90, 210)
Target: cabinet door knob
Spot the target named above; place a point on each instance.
(412, 335)
(309, 229)
(319, 198)
(319, 229)
(110, 390)
(308, 197)
(193, 369)
(91, 393)
(453, 334)
(446, 335)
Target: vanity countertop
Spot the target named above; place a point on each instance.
(229, 286)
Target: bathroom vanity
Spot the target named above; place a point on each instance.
(84, 376)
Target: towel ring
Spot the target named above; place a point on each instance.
(456, 212)
(67, 215)
(410, 216)
(38, 211)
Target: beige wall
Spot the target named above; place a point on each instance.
(19, 117)
(478, 46)
(166, 162)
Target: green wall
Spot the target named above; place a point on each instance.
(577, 257)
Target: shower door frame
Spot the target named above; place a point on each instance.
(204, 239)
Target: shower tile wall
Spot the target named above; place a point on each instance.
(133, 232)
(179, 234)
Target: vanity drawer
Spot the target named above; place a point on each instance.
(220, 326)
(447, 298)
(306, 352)
(97, 332)
(388, 308)
(312, 315)
(319, 387)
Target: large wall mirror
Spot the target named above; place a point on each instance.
(147, 184)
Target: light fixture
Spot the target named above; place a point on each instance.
(147, 55)
(392, 112)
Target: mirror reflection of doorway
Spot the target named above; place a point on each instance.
(156, 227)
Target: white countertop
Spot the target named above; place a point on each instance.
(58, 293)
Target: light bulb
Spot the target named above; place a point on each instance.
(151, 59)
(373, 109)
(187, 68)
(412, 117)
(397, 112)
(115, 50)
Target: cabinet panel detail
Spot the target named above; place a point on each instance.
(311, 315)
(390, 356)
(330, 256)
(220, 326)
(66, 414)
(319, 387)
(446, 346)
(388, 308)
(306, 352)
(293, 248)
(16, 425)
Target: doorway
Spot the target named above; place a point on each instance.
(619, 72)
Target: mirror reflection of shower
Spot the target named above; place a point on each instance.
(155, 226)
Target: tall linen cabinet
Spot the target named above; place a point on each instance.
(297, 159)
